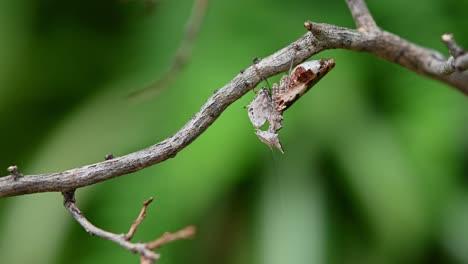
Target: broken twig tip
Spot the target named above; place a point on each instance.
(13, 170)
(147, 202)
(308, 25)
(447, 37)
(454, 49)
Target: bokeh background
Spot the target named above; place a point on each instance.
(376, 163)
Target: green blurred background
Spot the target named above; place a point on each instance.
(376, 163)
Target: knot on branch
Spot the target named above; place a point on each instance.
(14, 172)
(457, 52)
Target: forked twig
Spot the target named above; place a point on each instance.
(137, 222)
(145, 250)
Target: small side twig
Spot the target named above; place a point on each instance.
(145, 250)
(182, 54)
(457, 52)
(361, 15)
(139, 219)
(320, 37)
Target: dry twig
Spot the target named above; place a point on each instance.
(145, 250)
(368, 38)
(459, 56)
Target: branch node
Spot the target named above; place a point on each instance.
(145, 250)
(461, 62)
(182, 55)
(308, 25)
(109, 156)
(13, 170)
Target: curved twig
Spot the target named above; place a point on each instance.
(458, 53)
(320, 37)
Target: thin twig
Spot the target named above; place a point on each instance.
(138, 221)
(182, 54)
(145, 250)
(320, 37)
(14, 172)
(167, 237)
(362, 16)
(459, 54)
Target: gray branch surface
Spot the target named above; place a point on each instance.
(368, 38)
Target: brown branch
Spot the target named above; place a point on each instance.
(182, 54)
(320, 37)
(145, 250)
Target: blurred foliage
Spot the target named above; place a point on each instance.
(376, 161)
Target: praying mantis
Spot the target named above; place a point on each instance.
(269, 107)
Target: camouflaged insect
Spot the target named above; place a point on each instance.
(270, 107)
(260, 108)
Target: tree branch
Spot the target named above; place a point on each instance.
(320, 37)
(145, 250)
(459, 54)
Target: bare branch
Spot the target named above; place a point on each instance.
(183, 53)
(167, 237)
(362, 16)
(320, 37)
(145, 250)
